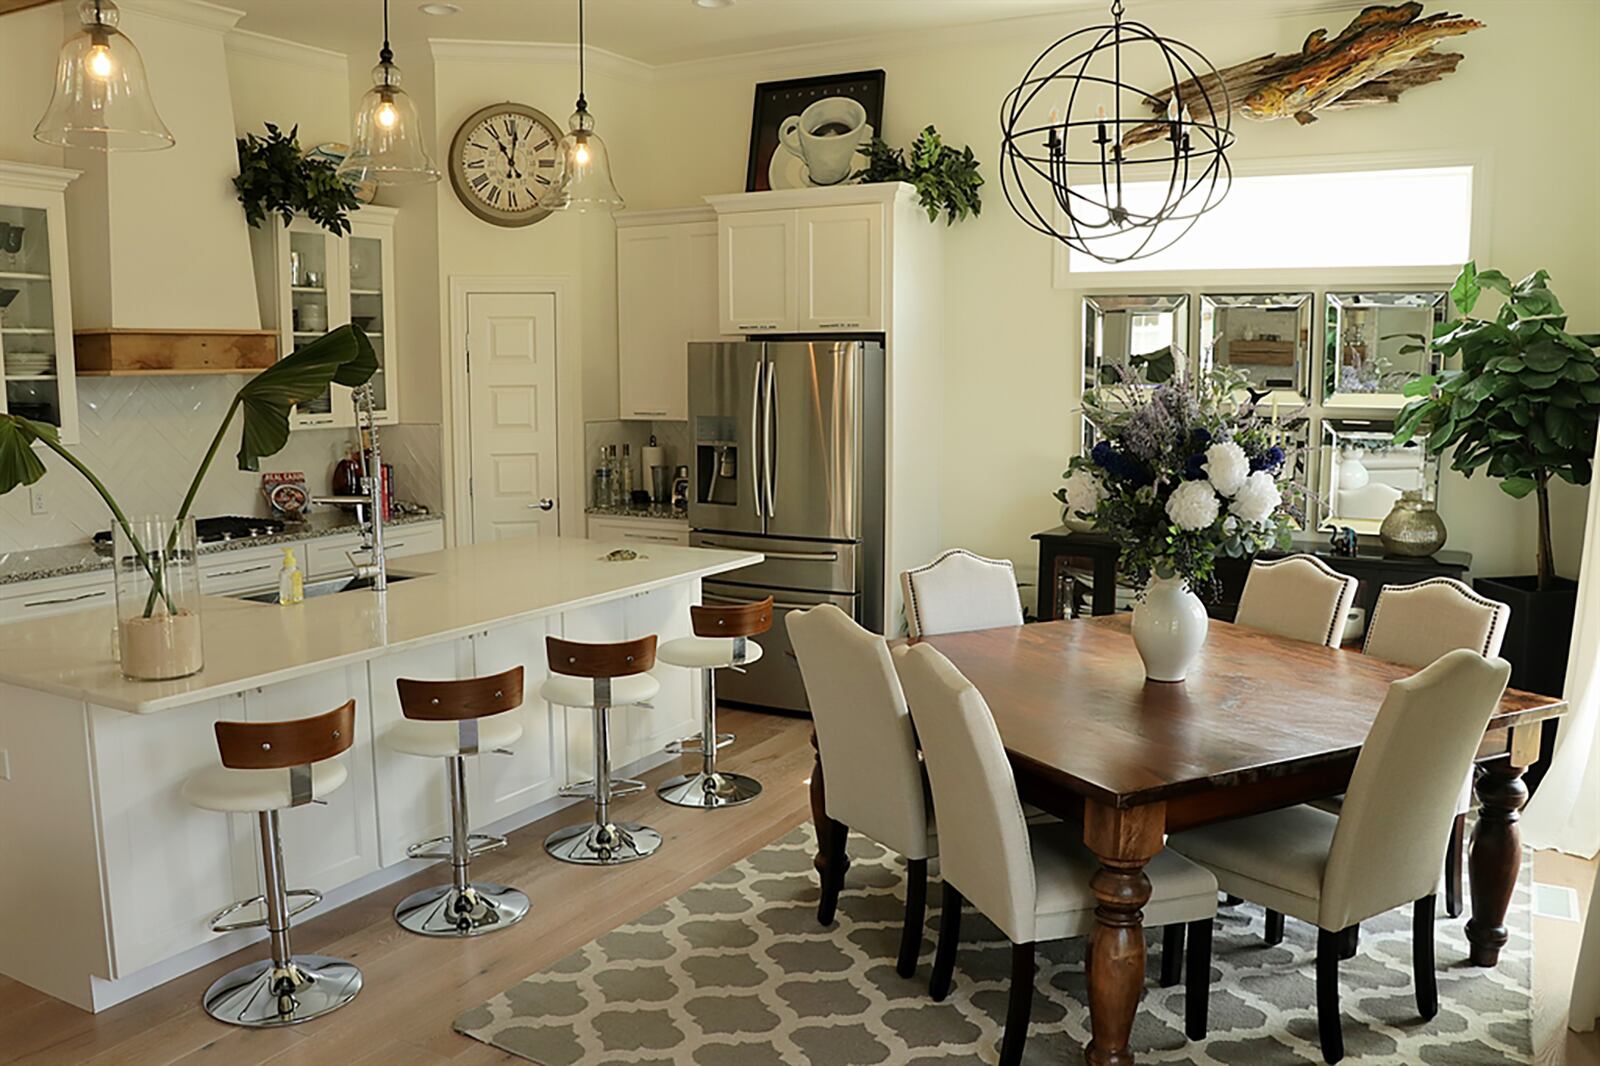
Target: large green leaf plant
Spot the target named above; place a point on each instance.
(1522, 400)
(344, 356)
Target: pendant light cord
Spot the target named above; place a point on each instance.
(582, 105)
(386, 54)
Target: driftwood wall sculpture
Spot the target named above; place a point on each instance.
(1385, 50)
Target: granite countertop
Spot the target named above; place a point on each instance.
(659, 511)
(36, 563)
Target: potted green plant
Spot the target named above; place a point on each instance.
(946, 180)
(276, 177)
(1521, 402)
(157, 585)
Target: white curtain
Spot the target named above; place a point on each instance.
(1565, 814)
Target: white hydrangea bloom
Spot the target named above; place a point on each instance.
(1227, 466)
(1084, 492)
(1193, 505)
(1256, 499)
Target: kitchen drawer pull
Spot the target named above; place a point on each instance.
(838, 325)
(657, 414)
(662, 538)
(241, 570)
(66, 599)
(793, 557)
(775, 605)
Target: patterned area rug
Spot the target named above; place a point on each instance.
(736, 972)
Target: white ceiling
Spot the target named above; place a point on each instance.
(651, 31)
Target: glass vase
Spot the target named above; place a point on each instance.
(158, 599)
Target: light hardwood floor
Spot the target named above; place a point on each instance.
(415, 986)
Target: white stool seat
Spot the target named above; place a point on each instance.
(579, 691)
(441, 740)
(705, 653)
(219, 788)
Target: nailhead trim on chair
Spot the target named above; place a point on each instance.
(911, 586)
(1328, 571)
(1501, 612)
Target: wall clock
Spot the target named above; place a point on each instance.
(503, 163)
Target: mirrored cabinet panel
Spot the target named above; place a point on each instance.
(1265, 336)
(36, 359)
(1376, 343)
(1362, 472)
(1124, 337)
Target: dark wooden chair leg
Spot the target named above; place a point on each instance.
(1454, 860)
(1231, 900)
(1171, 955)
(916, 912)
(1197, 981)
(1425, 976)
(1330, 946)
(1352, 942)
(1019, 1007)
(832, 872)
(1274, 927)
(944, 957)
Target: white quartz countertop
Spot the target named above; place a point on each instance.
(464, 590)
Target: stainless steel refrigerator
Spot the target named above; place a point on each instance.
(789, 461)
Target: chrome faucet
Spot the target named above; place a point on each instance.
(376, 566)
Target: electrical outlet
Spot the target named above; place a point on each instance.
(36, 500)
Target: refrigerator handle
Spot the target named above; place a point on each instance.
(770, 444)
(756, 436)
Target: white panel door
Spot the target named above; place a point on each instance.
(507, 784)
(756, 271)
(333, 843)
(841, 268)
(511, 383)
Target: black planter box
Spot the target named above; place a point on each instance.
(1539, 631)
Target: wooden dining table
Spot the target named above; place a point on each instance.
(1260, 723)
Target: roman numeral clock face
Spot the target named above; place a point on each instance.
(504, 164)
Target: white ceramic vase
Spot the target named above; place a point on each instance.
(1169, 627)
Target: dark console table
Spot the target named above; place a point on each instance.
(1095, 554)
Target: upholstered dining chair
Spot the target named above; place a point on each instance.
(1384, 848)
(868, 755)
(1299, 597)
(1030, 880)
(960, 591)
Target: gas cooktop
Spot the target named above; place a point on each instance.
(219, 528)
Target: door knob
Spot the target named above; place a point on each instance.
(543, 505)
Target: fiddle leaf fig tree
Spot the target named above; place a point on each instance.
(1524, 400)
(345, 357)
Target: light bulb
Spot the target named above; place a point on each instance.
(387, 115)
(100, 64)
(580, 154)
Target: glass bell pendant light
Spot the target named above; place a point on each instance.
(102, 98)
(387, 146)
(586, 183)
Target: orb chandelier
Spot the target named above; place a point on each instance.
(1108, 168)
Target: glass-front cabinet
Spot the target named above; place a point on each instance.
(311, 281)
(36, 360)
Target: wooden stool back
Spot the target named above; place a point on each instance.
(453, 701)
(623, 659)
(280, 745)
(744, 620)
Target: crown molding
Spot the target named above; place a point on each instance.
(609, 64)
(198, 13)
(34, 176)
(250, 43)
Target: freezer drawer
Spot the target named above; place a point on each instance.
(790, 564)
(773, 681)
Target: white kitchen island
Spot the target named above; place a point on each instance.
(108, 878)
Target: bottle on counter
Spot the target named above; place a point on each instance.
(291, 583)
(602, 478)
(626, 483)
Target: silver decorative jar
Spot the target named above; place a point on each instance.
(1413, 527)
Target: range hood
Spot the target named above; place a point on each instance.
(162, 280)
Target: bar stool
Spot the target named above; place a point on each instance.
(268, 767)
(600, 677)
(451, 720)
(721, 642)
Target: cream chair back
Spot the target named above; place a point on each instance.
(1395, 823)
(1299, 597)
(864, 737)
(959, 591)
(983, 835)
(1415, 624)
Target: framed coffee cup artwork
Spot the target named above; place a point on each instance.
(813, 132)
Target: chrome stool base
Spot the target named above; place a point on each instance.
(263, 995)
(603, 845)
(716, 789)
(447, 911)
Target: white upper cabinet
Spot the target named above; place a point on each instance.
(36, 360)
(841, 268)
(666, 297)
(758, 272)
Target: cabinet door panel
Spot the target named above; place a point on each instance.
(664, 612)
(600, 624)
(698, 284)
(652, 329)
(841, 268)
(507, 784)
(756, 271)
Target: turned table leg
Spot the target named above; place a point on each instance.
(1124, 841)
(1496, 857)
(819, 818)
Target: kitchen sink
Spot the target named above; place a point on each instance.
(326, 587)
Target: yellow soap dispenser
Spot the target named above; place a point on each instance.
(291, 584)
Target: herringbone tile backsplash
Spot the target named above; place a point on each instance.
(144, 438)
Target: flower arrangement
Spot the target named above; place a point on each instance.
(1182, 472)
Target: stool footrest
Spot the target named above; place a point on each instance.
(220, 924)
(442, 847)
(620, 787)
(695, 745)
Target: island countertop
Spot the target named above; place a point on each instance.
(456, 592)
